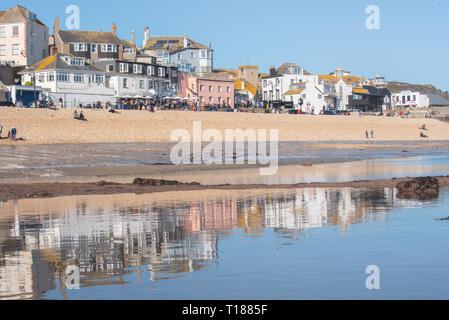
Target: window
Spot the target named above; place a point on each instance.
(203, 53)
(108, 48)
(156, 85)
(211, 99)
(179, 56)
(78, 77)
(98, 78)
(77, 62)
(125, 83)
(150, 85)
(129, 51)
(209, 54)
(137, 68)
(151, 70)
(219, 100)
(201, 99)
(192, 55)
(228, 89)
(62, 77)
(2, 50)
(142, 84)
(2, 32)
(357, 97)
(201, 88)
(94, 47)
(124, 67)
(414, 98)
(110, 68)
(228, 100)
(50, 77)
(219, 88)
(320, 96)
(81, 47)
(161, 72)
(41, 78)
(15, 31)
(15, 49)
(265, 83)
(174, 73)
(210, 88)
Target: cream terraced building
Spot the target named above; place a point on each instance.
(23, 37)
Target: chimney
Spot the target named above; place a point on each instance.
(146, 37)
(272, 71)
(114, 29)
(56, 26)
(243, 84)
(133, 38)
(185, 41)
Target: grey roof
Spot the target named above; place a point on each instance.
(57, 62)
(88, 37)
(437, 100)
(18, 14)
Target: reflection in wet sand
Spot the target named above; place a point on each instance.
(110, 237)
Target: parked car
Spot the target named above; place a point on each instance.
(329, 113)
(6, 104)
(293, 111)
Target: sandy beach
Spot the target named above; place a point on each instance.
(42, 126)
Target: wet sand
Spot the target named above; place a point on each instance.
(51, 190)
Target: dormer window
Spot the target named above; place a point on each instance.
(32, 16)
(75, 61)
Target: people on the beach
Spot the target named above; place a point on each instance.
(423, 135)
(13, 134)
(372, 134)
(75, 115)
(81, 117)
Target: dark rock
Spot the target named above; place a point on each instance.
(445, 219)
(157, 183)
(419, 188)
(307, 164)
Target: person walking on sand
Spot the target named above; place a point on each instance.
(366, 133)
(372, 134)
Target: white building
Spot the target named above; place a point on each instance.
(179, 51)
(410, 99)
(291, 83)
(23, 37)
(71, 79)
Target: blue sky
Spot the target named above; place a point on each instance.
(411, 44)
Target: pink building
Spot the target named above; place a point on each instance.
(206, 88)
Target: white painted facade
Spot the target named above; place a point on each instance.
(410, 99)
(315, 94)
(74, 87)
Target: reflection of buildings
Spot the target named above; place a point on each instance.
(161, 241)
